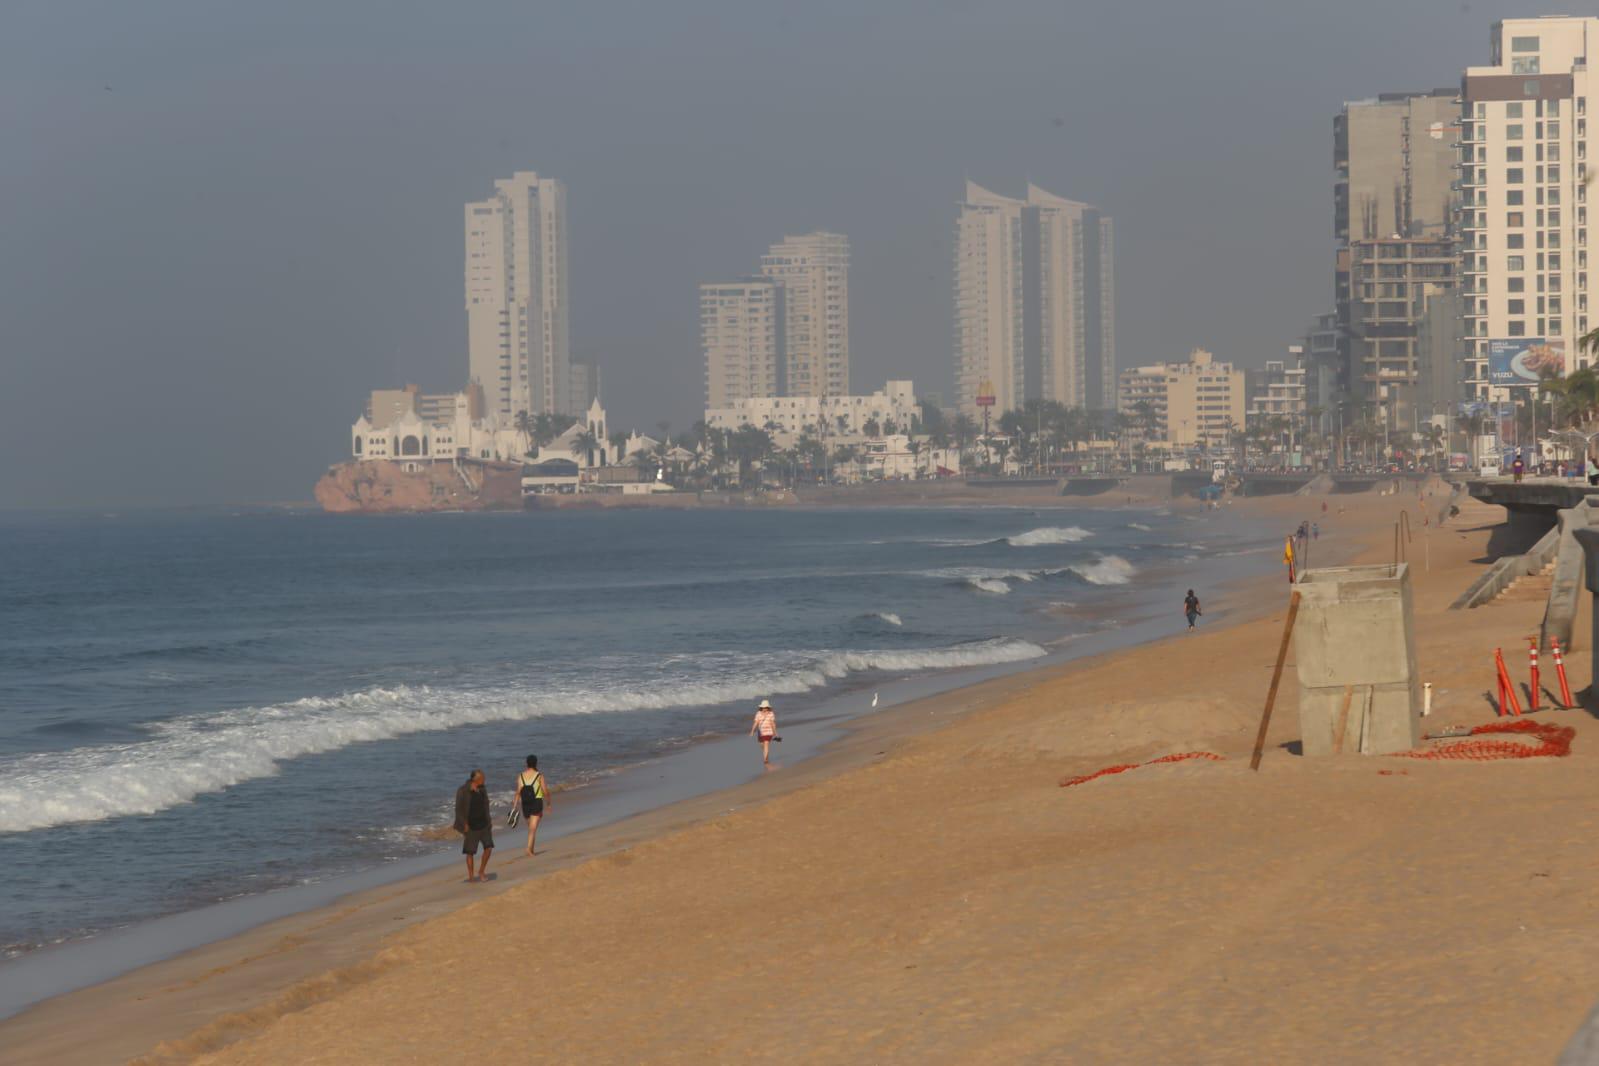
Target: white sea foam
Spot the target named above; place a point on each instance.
(1106, 570)
(969, 574)
(989, 584)
(189, 757)
(888, 617)
(1046, 535)
(1138, 526)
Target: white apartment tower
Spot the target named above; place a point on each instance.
(814, 273)
(1524, 173)
(1034, 300)
(516, 299)
(741, 333)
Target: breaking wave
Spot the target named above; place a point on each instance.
(1106, 570)
(189, 757)
(989, 584)
(1046, 535)
(886, 617)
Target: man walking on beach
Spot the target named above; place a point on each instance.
(1191, 608)
(472, 822)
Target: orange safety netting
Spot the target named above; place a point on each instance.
(1068, 782)
(1552, 740)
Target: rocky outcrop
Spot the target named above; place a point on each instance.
(383, 487)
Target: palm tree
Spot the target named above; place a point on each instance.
(525, 426)
(964, 431)
(914, 446)
(1577, 395)
(748, 445)
(584, 445)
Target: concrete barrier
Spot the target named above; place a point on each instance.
(1355, 650)
(1565, 589)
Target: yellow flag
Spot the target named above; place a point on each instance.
(1288, 551)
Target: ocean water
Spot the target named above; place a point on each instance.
(195, 707)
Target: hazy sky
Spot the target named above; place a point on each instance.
(222, 223)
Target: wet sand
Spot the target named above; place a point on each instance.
(927, 890)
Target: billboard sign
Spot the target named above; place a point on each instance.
(1525, 360)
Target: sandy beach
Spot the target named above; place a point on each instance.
(926, 890)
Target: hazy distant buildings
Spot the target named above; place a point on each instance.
(784, 332)
(814, 273)
(741, 333)
(1035, 303)
(416, 429)
(1394, 215)
(1180, 405)
(1277, 391)
(1523, 179)
(582, 386)
(893, 408)
(516, 295)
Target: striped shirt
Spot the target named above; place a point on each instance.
(766, 722)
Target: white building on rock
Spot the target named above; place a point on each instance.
(413, 428)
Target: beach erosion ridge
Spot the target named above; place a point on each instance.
(338, 945)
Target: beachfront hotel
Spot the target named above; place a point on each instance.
(1524, 170)
(516, 295)
(1187, 404)
(813, 271)
(1035, 300)
(741, 333)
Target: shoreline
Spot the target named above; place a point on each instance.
(231, 915)
(295, 947)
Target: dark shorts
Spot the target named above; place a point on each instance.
(474, 837)
(532, 808)
(764, 737)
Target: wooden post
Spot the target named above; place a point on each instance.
(1343, 720)
(1276, 679)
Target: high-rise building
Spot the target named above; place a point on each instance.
(516, 296)
(1326, 362)
(582, 386)
(1035, 306)
(1524, 184)
(814, 273)
(1394, 215)
(741, 333)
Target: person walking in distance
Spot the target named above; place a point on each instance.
(472, 822)
(764, 729)
(532, 796)
(1191, 608)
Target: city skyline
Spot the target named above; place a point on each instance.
(131, 304)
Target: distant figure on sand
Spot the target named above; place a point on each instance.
(531, 795)
(1518, 467)
(764, 728)
(1191, 608)
(472, 822)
